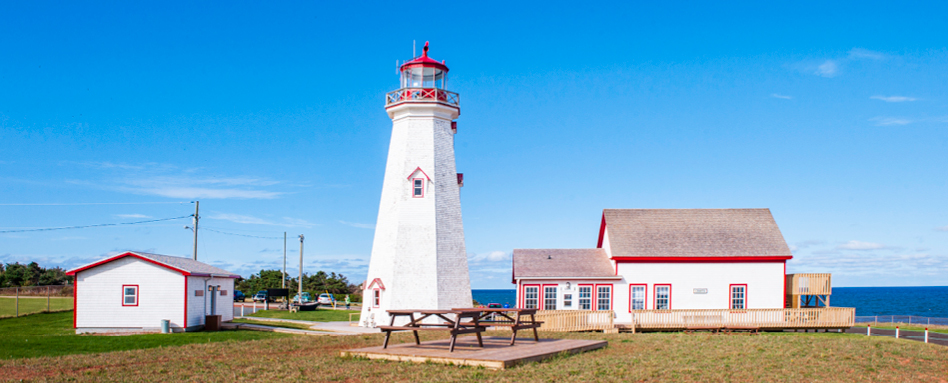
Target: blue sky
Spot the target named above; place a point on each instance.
(834, 116)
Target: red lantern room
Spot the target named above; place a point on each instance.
(423, 79)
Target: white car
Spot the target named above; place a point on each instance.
(324, 299)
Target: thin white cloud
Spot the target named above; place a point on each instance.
(251, 220)
(889, 121)
(775, 95)
(828, 68)
(859, 245)
(893, 98)
(493, 256)
(132, 216)
(202, 193)
(794, 248)
(865, 54)
(943, 228)
(359, 225)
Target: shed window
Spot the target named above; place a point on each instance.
(223, 293)
(530, 297)
(418, 187)
(738, 297)
(130, 295)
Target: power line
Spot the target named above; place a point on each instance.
(241, 235)
(86, 203)
(88, 226)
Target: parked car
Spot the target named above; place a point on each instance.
(324, 299)
(239, 296)
(261, 296)
(306, 298)
(494, 306)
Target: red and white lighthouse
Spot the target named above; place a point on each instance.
(418, 256)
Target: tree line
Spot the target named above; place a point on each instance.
(313, 283)
(17, 275)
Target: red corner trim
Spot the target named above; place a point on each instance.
(701, 259)
(123, 255)
(602, 230)
(374, 281)
(185, 302)
(75, 295)
(418, 169)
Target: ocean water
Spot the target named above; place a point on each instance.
(868, 301)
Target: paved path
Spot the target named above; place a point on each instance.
(337, 328)
(919, 336)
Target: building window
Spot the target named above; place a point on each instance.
(567, 300)
(418, 187)
(530, 297)
(662, 297)
(604, 297)
(636, 297)
(549, 297)
(376, 297)
(130, 295)
(585, 297)
(738, 297)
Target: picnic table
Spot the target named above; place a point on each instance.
(455, 325)
(489, 318)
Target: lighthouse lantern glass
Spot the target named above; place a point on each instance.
(422, 77)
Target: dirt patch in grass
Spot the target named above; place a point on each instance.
(629, 357)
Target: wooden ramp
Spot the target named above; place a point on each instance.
(496, 353)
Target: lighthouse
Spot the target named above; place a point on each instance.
(418, 256)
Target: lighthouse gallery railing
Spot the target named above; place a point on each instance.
(422, 94)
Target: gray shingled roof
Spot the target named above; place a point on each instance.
(187, 264)
(570, 263)
(694, 233)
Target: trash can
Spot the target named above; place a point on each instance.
(165, 326)
(212, 323)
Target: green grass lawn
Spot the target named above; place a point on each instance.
(33, 305)
(903, 326)
(652, 357)
(319, 315)
(51, 334)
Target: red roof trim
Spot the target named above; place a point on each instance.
(779, 258)
(374, 281)
(602, 230)
(123, 255)
(418, 169)
(424, 61)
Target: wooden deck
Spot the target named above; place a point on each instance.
(496, 353)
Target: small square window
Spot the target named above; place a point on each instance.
(199, 293)
(130, 295)
(567, 300)
(418, 187)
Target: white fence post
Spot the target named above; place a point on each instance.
(896, 332)
(926, 334)
(869, 329)
(254, 307)
(241, 309)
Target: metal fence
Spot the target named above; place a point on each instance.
(17, 301)
(907, 319)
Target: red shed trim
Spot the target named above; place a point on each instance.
(123, 255)
(749, 259)
(602, 230)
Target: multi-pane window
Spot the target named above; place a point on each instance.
(738, 297)
(530, 297)
(376, 298)
(129, 295)
(567, 300)
(585, 297)
(418, 187)
(637, 297)
(604, 298)
(549, 298)
(662, 297)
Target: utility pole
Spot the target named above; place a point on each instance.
(284, 259)
(197, 204)
(300, 287)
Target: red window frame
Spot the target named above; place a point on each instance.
(592, 296)
(413, 187)
(125, 295)
(645, 298)
(730, 296)
(655, 295)
(612, 294)
(539, 294)
(543, 288)
(376, 298)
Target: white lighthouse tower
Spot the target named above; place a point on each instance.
(418, 255)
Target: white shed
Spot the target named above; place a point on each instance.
(135, 291)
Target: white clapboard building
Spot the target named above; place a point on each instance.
(135, 291)
(661, 259)
(418, 258)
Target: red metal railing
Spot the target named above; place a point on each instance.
(422, 94)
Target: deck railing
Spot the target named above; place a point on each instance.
(809, 284)
(422, 94)
(806, 318)
(575, 320)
